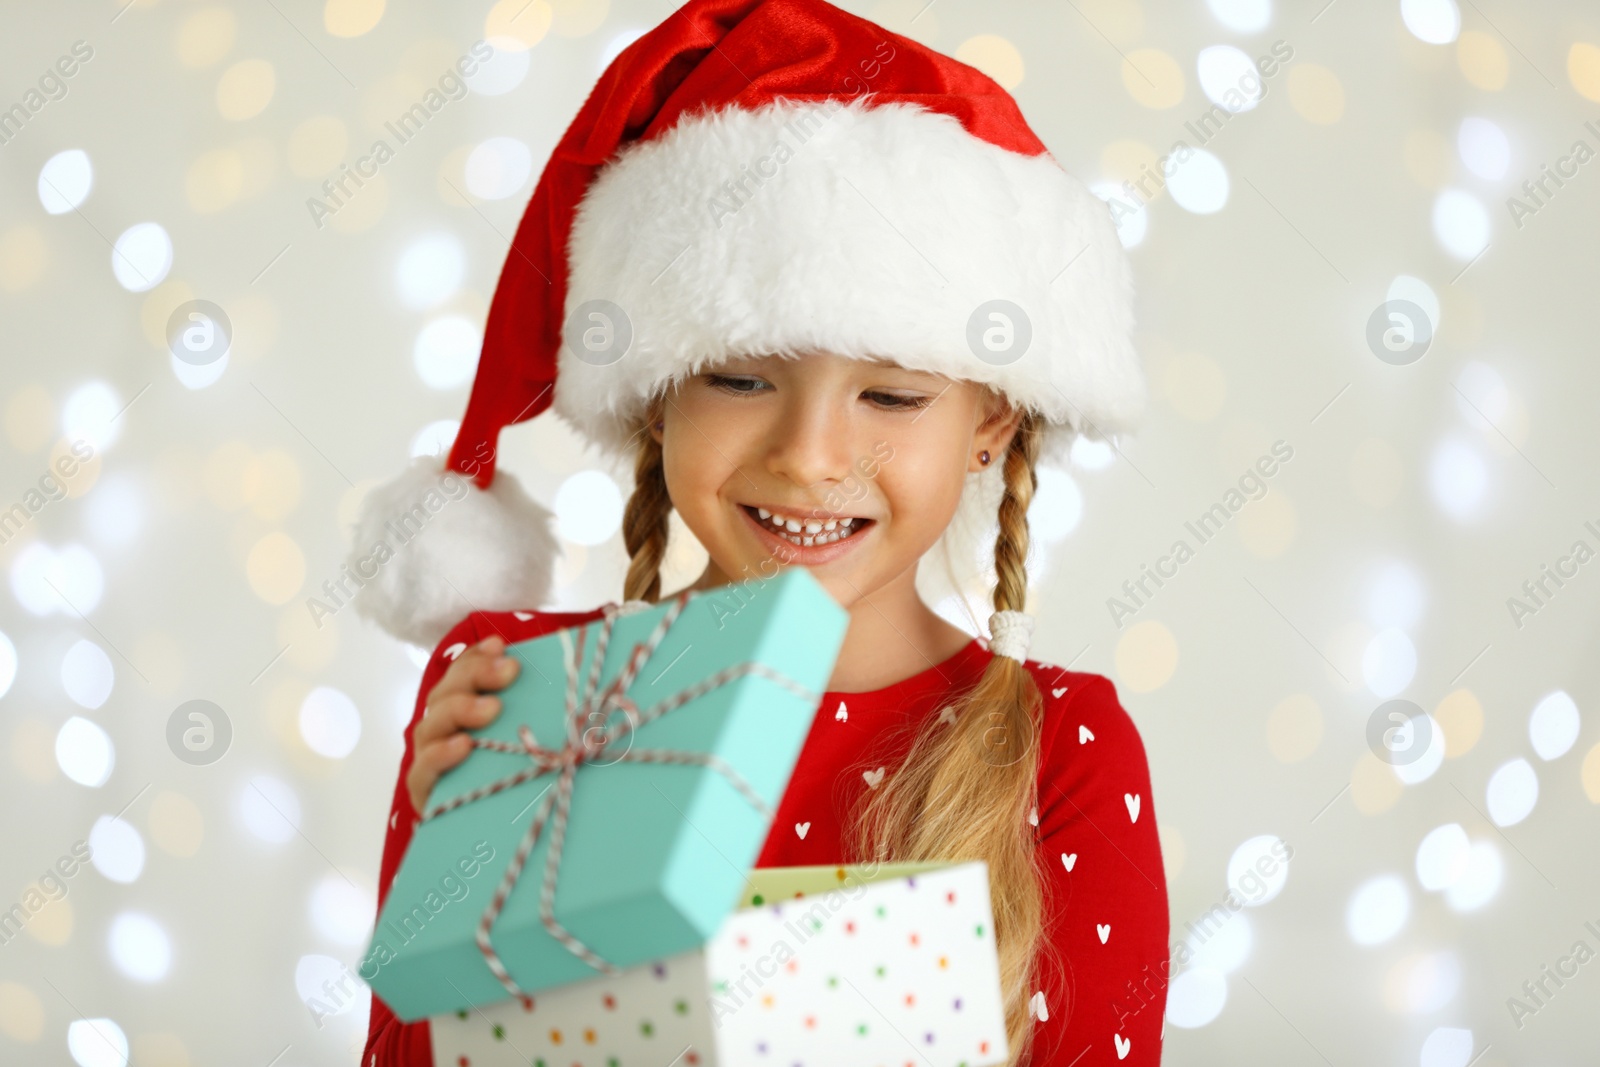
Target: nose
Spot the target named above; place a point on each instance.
(811, 442)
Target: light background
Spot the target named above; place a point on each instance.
(1418, 500)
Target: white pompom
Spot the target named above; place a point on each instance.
(430, 547)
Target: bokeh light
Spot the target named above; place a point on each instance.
(140, 947)
(65, 181)
(1553, 726)
(1512, 792)
(116, 849)
(84, 752)
(1378, 910)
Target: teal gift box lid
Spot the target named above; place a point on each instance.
(654, 855)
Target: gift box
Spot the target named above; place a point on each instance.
(822, 967)
(611, 812)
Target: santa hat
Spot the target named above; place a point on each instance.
(766, 177)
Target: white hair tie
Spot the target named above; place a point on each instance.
(1010, 633)
(631, 607)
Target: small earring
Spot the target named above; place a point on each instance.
(983, 457)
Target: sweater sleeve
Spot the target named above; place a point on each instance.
(390, 1042)
(1103, 980)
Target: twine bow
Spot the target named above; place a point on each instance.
(579, 748)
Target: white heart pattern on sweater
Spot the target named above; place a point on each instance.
(1069, 860)
(1123, 1045)
(1132, 800)
(873, 777)
(1057, 692)
(455, 650)
(843, 714)
(800, 828)
(1036, 1007)
(1085, 735)
(1104, 930)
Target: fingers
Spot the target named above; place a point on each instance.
(459, 702)
(433, 760)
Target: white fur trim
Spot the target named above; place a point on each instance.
(878, 237)
(453, 549)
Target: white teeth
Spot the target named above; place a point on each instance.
(810, 531)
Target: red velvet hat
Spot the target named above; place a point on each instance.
(764, 177)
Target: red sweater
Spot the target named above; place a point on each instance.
(1106, 911)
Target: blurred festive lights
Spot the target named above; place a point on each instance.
(1200, 183)
(1460, 223)
(1413, 289)
(1433, 21)
(1484, 148)
(97, 1043)
(141, 257)
(1481, 395)
(139, 947)
(1481, 881)
(115, 511)
(84, 752)
(65, 181)
(1196, 997)
(1395, 596)
(503, 71)
(116, 849)
(1091, 454)
(588, 507)
(330, 722)
(341, 912)
(1129, 214)
(1377, 910)
(87, 674)
(1447, 1046)
(1458, 479)
(269, 808)
(1553, 726)
(446, 352)
(1057, 507)
(1421, 768)
(8, 664)
(1226, 947)
(430, 271)
(1229, 77)
(1442, 857)
(1258, 869)
(91, 414)
(435, 439)
(498, 168)
(1512, 792)
(1242, 16)
(1389, 662)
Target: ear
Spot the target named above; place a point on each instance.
(1001, 420)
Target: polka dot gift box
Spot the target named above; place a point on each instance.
(820, 967)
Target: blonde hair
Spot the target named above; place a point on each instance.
(964, 791)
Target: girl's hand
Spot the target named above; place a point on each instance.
(457, 704)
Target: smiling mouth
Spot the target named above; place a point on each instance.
(808, 532)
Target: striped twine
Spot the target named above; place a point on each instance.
(579, 748)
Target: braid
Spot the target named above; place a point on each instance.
(1011, 547)
(646, 523)
(961, 795)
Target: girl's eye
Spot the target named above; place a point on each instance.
(888, 401)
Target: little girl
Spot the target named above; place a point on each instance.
(826, 289)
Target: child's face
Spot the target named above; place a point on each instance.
(827, 433)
